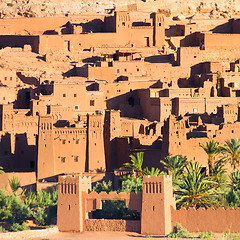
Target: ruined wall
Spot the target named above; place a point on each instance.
(207, 220)
(112, 225)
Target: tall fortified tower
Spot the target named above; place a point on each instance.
(159, 30)
(70, 206)
(46, 164)
(157, 199)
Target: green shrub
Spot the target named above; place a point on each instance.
(44, 198)
(103, 187)
(232, 198)
(131, 184)
(2, 229)
(179, 232)
(18, 227)
(206, 235)
(31, 199)
(115, 209)
(40, 216)
(12, 208)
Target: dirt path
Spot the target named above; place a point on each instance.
(53, 234)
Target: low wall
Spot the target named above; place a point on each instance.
(26, 178)
(207, 220)
(112, 225)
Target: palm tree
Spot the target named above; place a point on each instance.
(14, 183)
(231, 152)
(219, 174)
(175, 165)
(234, 180)
(136, 163)
(195, 189)
(211, 148)
(1, 170)
(153, 171)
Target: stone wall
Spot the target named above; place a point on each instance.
(112, 225)
(207, 220)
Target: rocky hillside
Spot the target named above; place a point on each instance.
(43, 8)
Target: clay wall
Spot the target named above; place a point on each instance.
(102, 73)
(207, 220)
(19, 41)
(112, 225)
(30, 26)
(8, 95)
(9, 78)
(72, 101)
(69, 148)
(26, 178)
(218, 40)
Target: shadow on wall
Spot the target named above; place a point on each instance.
(223, 28)
(96, 25)
(24, 157)
(24, 154)
(28, 80)
(23, 99)
(128, 103)
(159, 59)
(5, 152)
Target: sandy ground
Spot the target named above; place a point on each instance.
(53, 234)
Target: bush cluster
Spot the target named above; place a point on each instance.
(15, 209)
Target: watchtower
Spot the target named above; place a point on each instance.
(157, 199)
(123, 22)
(159, 30)
(46, 164)
(70, 206)
(95, 143)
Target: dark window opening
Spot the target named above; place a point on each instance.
(131, 101)
(48, 109)
(91, 102)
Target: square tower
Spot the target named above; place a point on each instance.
(70, 215)
(157, 199)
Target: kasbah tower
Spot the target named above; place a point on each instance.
(83, 90)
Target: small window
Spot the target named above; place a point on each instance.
(64, 94)
(10, 78)
(3, 98)
(91, 102)
(63, 141)
(125, 69)
(76, 107)
(5, 78)
(77, 141)
(137, 69)
(195, 56)
(118, 71)
(75, 158)
(63, 159)
(123, 23)
(75, 95)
